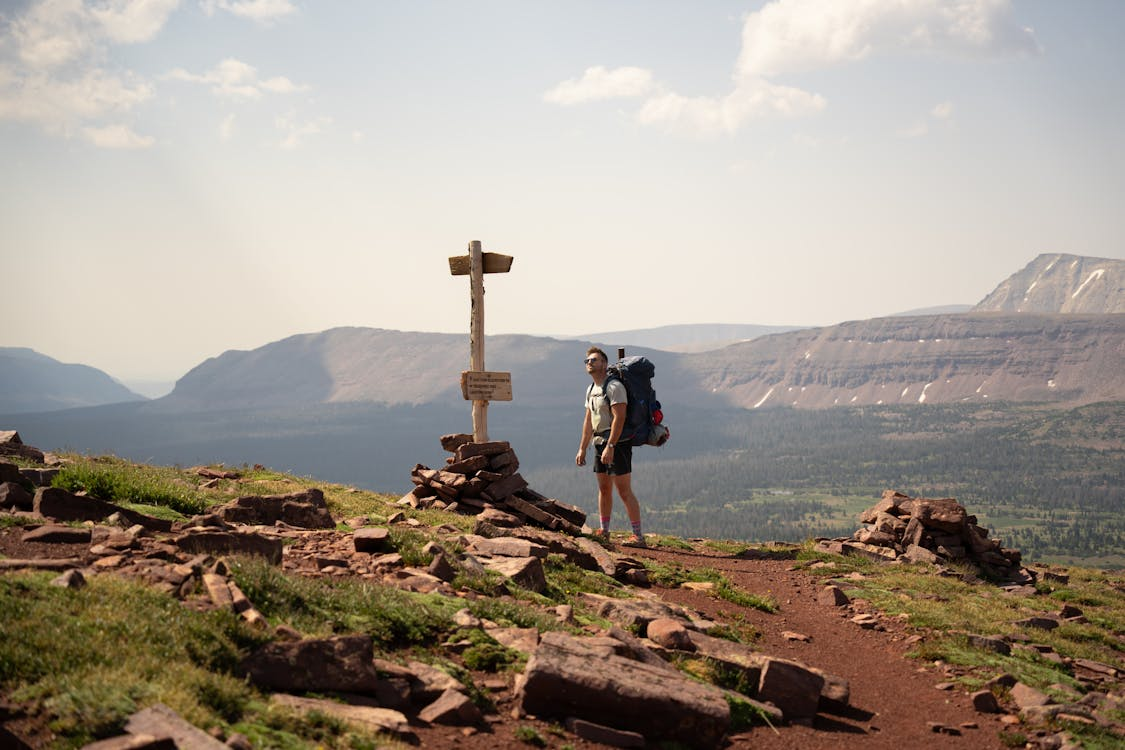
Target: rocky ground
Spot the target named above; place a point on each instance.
(831, 670)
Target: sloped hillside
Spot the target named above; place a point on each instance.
(1060, 283)
(34, 382)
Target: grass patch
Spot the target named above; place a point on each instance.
(93, 656)
(321, 607)
(674, 576)
(119, 481)
(565, 580)
(530, 735)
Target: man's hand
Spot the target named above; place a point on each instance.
(580, 459)
(607, 455)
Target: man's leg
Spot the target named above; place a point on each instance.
(605, 500)
(624, 485)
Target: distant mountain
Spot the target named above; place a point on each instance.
(1059, 283)
(393, 368)
(700, 337)
(971, 357)
(34, 382)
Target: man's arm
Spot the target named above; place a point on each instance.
(587, 436)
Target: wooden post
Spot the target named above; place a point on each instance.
(477, 385)
(476, 336)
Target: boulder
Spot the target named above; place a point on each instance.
(13, 495)
(792, 687)
(451, 707)
(832, 596)
(564, 678)
(220, 543)
(669, 633)
(9, 472)
(372, 539)
(306, 510)
(57, 503)
(525, 571)
(343, 664)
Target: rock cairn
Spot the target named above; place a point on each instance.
(932, 530)
(485, 477)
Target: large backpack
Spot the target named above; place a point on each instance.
(643, 417)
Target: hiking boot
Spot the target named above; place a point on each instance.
(635, 541)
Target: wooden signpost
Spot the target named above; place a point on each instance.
(478, 385)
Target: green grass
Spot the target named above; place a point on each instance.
(120, 481)
(93, 656)
(322, 607)
(673, 576)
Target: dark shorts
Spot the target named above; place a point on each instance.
(622, 459)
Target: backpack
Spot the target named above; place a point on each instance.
(643, 417)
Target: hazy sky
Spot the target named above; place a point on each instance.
(183, 177)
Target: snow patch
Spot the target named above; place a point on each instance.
(982, 385)
(768, 394)
(903, 394)
(1095, 275)
(808, 354)
(922, 397)
(1029, 289)
(1051, 383)
(854, 399)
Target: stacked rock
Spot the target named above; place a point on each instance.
(926, 530)
(481, 476)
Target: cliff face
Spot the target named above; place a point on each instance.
(1068, 359)
(1059, 283)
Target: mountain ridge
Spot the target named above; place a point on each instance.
(34, 382)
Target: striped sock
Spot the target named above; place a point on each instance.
(605, 523)
(637, 529)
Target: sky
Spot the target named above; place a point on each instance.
(184, 177)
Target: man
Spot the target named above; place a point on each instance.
(606, 402)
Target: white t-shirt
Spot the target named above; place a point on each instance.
(599, 405)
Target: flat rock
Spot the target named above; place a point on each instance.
(604, 735)
(564, 678)
(1024, 696)
(160, 721)
(669, 633)
(368, 717)
(52, 534)
(220, 543)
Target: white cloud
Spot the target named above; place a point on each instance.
(237, 79)
(794, 35)
(293, 132)
(117, 136)
(259, 11)
(226, 129)
(917, 130)
(600, 83)
(57, 76)
(715, 115)
(60, 105)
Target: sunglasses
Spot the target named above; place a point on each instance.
(589, 360)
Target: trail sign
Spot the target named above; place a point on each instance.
(486, 386)
(477, 385)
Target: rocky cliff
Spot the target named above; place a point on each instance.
(1067, 359)
(1060, 283)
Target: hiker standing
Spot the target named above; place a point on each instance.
(606, 401)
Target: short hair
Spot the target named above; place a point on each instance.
(596, 350)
